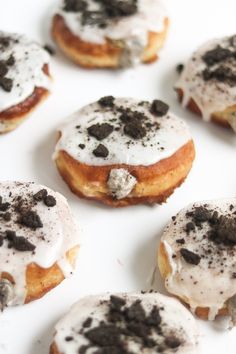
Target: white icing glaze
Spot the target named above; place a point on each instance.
(175, 317)
(57, 236)
(120, 183)
(161, 144)
(211, 96)
(26, 73)
(150, 17)
(200, 285)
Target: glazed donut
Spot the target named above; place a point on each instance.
(126, 324)
(38, 242)
(197, 258)
(24, 79)
(110, 33)
(122, 151)
(207, 84)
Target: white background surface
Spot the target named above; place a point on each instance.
(118, 247)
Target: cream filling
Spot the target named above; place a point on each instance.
(26, 73)
(58, 235)
(161, 144)
(120, 183)
(174, 315)
(199, 285)
(210, 96)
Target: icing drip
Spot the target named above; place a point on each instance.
(207, 82)
(131, 30)
(205, 274)
(25, 60)
(150, 139)
(120, 183)
(36, 226)
(173, 330)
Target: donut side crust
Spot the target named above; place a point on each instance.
(165, 269)
(12, 117)
(91, 55)
(220, 118)
(40, 281)
(155, 183)
(54, 349)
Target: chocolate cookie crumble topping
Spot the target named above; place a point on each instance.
(107, 101)
(220, 63)
(190, 257)
(40, 195)
(31, 219)
(74, 5)
(128, 322)
(107, 10)
(100, 131)
(159, 108)
(101, 151)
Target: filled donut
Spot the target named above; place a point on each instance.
(123, 151)
(110, 33)
(38, 242)
(197, 258)
(207, 83)
(24, 78)
(126, 324)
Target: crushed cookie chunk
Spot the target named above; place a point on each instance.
(3, 68)
(50, 201)
(100, 131)
(172, 342)
(107, 101)
(11, 60)
(40, 195)
(135, 130)
(31, 219)
(6, 84)
(74, 5)
(159, 108)
(101, 151)
(216, 55)
(180, 68)
(19, 243)
(4, 206)
(49, 49)
(190, 257)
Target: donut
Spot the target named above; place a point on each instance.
(207, 83)
(126, 324)
(38, 242)
(110, 33)
(24, 78)
(123, 151)
(197, 258)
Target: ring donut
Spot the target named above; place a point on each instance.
(207, 83)
(38, 242)
(197, 258)
(110, 33)
(24, 79)
(126, 324)
(123, 151)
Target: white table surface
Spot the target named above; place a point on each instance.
(118, 247)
